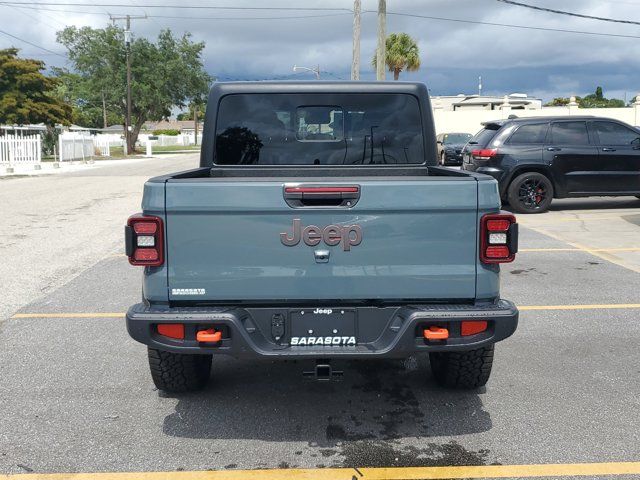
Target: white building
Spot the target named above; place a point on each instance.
(517, 101)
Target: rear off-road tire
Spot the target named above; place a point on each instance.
(464, 370)
(178, 373)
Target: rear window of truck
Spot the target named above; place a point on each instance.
(319, 129)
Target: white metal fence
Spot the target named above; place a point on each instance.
(75, 146)
(104, 141)
(169, 140)
(20, 150)
(191, 138)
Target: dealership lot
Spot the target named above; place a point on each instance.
(77, 396)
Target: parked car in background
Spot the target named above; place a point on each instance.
(537, 159)
(450, 147)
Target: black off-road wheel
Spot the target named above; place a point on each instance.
(178, 373)
(530, 192)
(443, 160)
(462, 370)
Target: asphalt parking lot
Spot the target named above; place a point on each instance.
(77, 397)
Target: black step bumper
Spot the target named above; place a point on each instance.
(393, 332)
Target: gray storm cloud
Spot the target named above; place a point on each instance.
(241, 46)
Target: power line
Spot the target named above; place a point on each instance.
(39, 20)
(179, 17)
(571, 14)
(183, 17)
(196, 7)
(33, 44)
(400, 14)
(495, 24)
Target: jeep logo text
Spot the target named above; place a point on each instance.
(347, 235)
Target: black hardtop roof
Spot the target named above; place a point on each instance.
(318, 86)
(547, 118)
(221, 89)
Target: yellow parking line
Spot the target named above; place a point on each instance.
(392, 473)
(600, 254)
(597, 306)
(550, 221)
(603, 306)
(69, 315)
(586, 249)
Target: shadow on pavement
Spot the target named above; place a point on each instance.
(376, 401)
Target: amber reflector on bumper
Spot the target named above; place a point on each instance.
(471, 328)
(172, 330)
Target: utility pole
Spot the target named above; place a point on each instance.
(355, 63)
(127, 44)
(195, 122)
(104, 111)
(381, 52)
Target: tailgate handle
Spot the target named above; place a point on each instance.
(298, 196)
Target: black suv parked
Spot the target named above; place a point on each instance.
(537, 159)
(450, 147)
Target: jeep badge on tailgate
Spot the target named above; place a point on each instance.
(348, 235)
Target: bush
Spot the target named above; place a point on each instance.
(170, 133)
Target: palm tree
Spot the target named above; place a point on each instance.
(402, 54)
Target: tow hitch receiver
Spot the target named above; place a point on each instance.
(209, 335)
(323, 372)
(436, 333)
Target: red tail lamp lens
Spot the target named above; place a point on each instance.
(145, 228)
(172, 330)
(485, 153)
(498, 225)
(500, 251)
(473, 327)
(145, 255)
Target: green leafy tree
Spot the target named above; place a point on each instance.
(190, 114)
(558, 102)
(402, 53)
(594, 100)
(87, 104)
(166, 74)
(597, 100)
(26, 94)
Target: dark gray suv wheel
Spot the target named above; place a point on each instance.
(530, 192)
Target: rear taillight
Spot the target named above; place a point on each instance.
(484, 153)
(144, 240)
(498, 238)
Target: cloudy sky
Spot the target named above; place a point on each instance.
(243, 44)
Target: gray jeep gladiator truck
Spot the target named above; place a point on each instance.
(319, 227)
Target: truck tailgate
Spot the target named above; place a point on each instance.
(225, 241)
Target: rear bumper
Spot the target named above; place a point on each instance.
(495, 172)
(392, 332)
